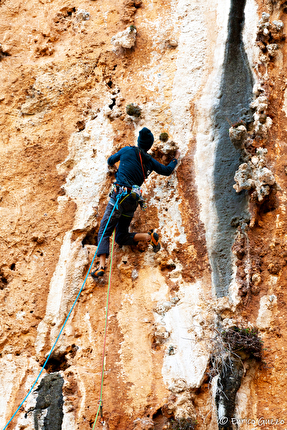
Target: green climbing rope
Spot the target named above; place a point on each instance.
(105, 335)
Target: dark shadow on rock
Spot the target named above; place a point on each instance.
(228, 384)
(233, 105)
(48, 413)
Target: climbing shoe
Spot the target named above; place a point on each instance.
(154, 240)
(98, 273)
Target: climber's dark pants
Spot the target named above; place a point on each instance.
(120, 220)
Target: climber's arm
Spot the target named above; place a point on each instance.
(161, 169)
(115, 158)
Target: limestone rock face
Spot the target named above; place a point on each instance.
(209, 78)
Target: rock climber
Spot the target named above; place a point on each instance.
(135, 166)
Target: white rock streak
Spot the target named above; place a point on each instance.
(13, 374)
(267, 303)
(190, 66)
(84, 185)
(191, 357)
(88, 152)
(250, 30)
(190, 360)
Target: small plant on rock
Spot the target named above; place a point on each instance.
(163, 137)
(234, 345)
(243, 340)
(133, 110)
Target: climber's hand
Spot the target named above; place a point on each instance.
(112, 169)
(177, 154)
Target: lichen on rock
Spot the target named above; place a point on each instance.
(4, 52)
(255, 176)
(238, 136)
(159, 335)
(82, 15)
(143, 424)
(262, 122)
(124, 39)
(182, 406)
(269, 35)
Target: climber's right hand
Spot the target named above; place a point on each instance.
(112, 169)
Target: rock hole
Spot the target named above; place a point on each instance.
(3, 281)
(60, 361)
(270, 204)
(4, 54)
(71, 11)
(12, 267)
(62, 192)
(159, 420)
(56, 364)
(110, 83)
(90, 238)
(112, 104)
(80, 125)
(157, 413)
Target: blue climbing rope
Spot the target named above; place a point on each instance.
(52, 349)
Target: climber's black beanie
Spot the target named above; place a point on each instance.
(145, 139)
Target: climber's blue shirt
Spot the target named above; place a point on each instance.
(130, 170)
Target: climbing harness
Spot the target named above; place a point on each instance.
(66, 320)
(100, 408)
(135, 192)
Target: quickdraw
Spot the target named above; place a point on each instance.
(118, 189)
(137, 194)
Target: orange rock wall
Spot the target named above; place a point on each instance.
(60, 77)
